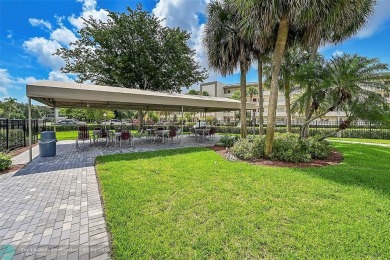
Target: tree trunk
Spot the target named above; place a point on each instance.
(243, 100)
(261, 97)
(273, 99)
(342, 126)
(308, 109)
(287, 90)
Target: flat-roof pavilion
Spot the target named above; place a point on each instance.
(70, 94)
(77, 95)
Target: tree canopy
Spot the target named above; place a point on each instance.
(345, 83)
(133, 50)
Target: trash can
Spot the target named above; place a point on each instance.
(47, 144)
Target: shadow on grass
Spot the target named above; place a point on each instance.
(365, 166)
(149, 154)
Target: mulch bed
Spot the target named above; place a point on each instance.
(14, 153)
(334, 158)
(14, 167)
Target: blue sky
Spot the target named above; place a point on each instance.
(31, 30)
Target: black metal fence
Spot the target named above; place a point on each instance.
(359, 129)
(14, 133)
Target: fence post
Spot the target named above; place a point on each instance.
(24, 133)
(7, 133)
(370, 130)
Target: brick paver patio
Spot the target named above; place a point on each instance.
(52, 209)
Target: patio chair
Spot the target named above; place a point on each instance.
(172, 133)
(175, 132)
(106, 134)
(83, 135)
(125, 136)
(212, 132)
(97, 134)
(192, 131)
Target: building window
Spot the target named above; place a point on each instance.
(228, 91)
(254, 100)
(280, 110)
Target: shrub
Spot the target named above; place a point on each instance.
(250, 148)
(228, 140)
(318, 149)
(257, 146)
(5, 161)
(288, 148)
(243, 149)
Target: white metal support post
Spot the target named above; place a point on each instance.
(55, 119)
(29, 130)
(182, 123)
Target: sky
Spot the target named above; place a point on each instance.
(32, 30)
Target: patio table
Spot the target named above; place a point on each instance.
(162, 133)
(201, 131)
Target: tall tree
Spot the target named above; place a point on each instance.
(9, 106)
(298, 16)
(226, 48)
(133, 50)
(344, 83)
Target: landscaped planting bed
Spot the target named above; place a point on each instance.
(193, 203)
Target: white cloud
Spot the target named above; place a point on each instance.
(185, 14)
(10, 34)
(5, 82)
(8, 82)
(380, 16)
(337, 53)
(43, 49)
(40, 23)
(89, 9)
(58, 76)
(63, 36)
(26, 80)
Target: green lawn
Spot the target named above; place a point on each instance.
(374, 141)
(72, 135)
(66, 135)
(191, 203)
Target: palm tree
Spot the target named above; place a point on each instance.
(299, 16)
(10, 105)
(333, 24)
(294, 58)
(344, 83)
(225, 47)
(251, 91)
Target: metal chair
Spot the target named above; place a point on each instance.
(83, 135)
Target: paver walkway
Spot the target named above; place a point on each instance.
(52, 209)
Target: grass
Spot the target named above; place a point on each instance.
(192, 203)
(66, 135)
(374, 141)
(72, 135)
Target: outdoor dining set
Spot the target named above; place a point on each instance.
(123, 136)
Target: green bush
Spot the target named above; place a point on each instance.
(228, 140)
(257, 146)
(288, 148)
(318, 149)
(249, 148)
(243, 149)
(5, 161)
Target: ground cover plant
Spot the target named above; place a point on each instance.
(192, 203)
